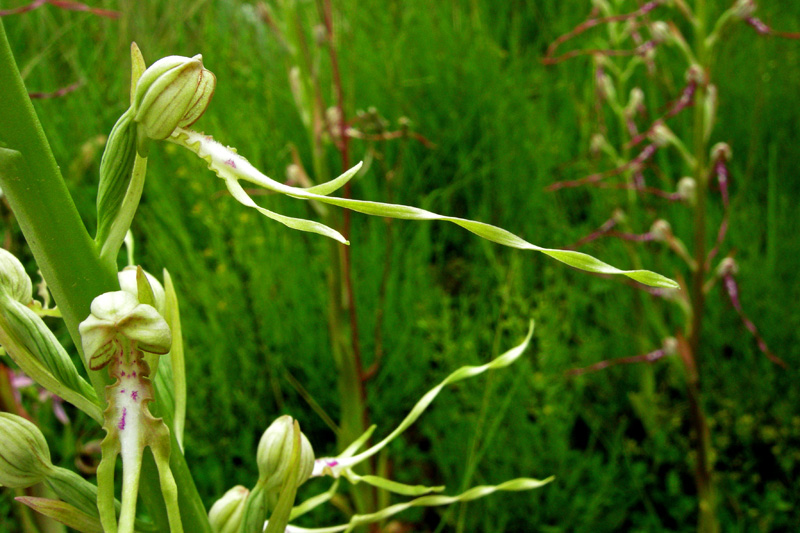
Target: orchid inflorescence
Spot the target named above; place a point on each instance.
(131, 341)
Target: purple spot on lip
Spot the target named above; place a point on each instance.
(122, 391)
(134, 374)
(331, 463)
(122, 373)
(231, 163)
(135, 395)
(121, 423)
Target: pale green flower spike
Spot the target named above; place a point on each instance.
(232, 167)
(116, 333)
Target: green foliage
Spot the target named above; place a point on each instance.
(468, 76)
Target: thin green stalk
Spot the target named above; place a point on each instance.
(707, 520)
(66, 254)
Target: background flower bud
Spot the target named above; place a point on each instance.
(275, 453)
(661, 230)
(24, 455)
(14, 281)
(687, 189)
(721, 151)
(226, 514)
(173, 91)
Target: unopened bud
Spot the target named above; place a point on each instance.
(117, 316)
(619, 216)
(660, 31)
(721, 151)
(635, 101)
(670, 346)
(333, 117)
(174, 91)
(744, 8)
(661, 230)
(727, 267)
(226, 514)
(24, 455)
(275, 452)
(597, 143)
(662, 136)
(14, 281)
(606, 87)
(687, 189)
(696, 74)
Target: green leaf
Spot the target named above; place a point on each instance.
(64, 513)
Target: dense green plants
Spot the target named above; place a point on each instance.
(127, 327)
(636, 49)
(504, 128)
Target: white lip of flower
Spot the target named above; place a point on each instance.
(114, 336)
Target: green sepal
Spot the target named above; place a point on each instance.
(116, 170)
(282, 513)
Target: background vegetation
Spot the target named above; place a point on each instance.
(467, 73)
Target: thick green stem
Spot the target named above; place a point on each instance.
(63, 249)
(66, 254)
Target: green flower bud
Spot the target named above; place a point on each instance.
(14, 281)
(24, 455)
(687, 189)
(744, 8)
(174, 91)
(226, 514)
(117, 315)
(128, 283)
(661, 230)
(275, 452)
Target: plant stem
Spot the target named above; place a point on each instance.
(707, 520)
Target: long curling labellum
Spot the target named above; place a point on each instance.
(116, 335)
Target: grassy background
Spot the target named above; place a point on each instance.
(468, 75)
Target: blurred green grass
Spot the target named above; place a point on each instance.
(467, 74)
